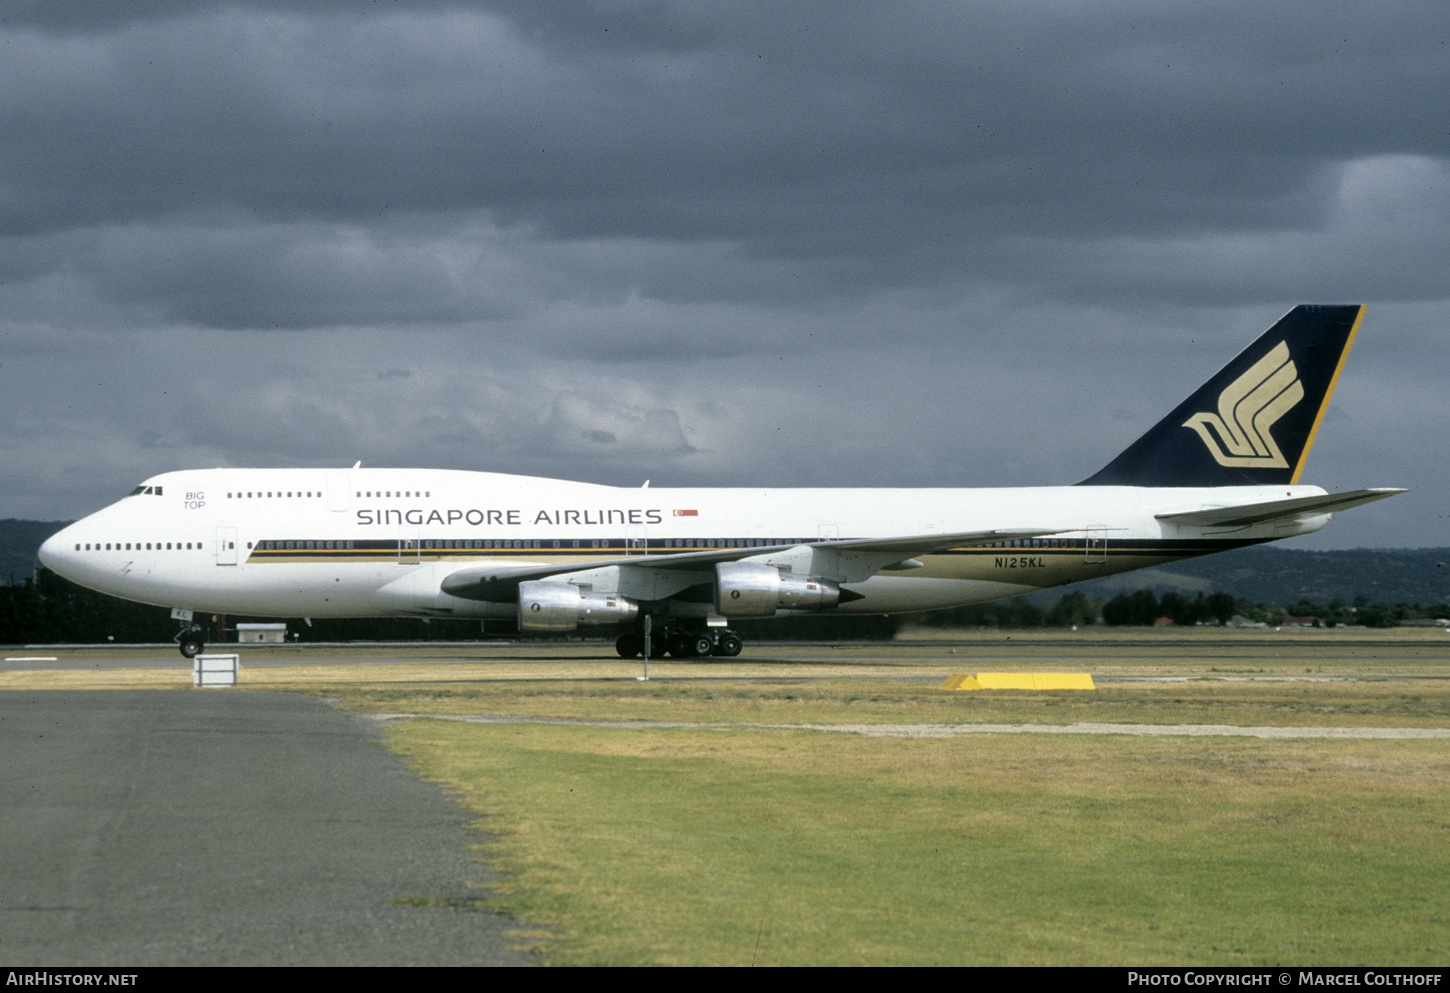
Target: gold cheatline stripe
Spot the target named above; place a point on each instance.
(1140, 547)
(1323, 406)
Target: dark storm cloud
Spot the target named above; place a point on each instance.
(279, 276)
(903, 144)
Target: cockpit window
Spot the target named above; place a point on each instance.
(148, 490)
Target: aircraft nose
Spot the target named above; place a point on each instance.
(53, 551)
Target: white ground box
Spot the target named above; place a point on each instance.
(261, 634)
(215, 670)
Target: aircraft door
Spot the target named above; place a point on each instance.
(1097, 546)
(410, 547)
(226, 546)
(636, 539)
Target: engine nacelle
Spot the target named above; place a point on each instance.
(559, 607)
(754, 589)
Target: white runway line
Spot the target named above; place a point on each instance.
(1145, 730)
(957, 730)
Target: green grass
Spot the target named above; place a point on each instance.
(1388, 704)
(738, 846)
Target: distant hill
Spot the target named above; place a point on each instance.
(1263, 574)
(1282, 576)
(19, 541)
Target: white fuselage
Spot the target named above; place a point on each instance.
(380, 542)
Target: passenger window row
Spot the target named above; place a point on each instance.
(271, 546)
(273, 494)
(703, 543)
(429, 544)
(138, 546)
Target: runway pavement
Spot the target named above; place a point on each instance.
(204, 827)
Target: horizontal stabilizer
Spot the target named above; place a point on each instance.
(1248, 514)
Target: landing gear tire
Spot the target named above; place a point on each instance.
(729, 645)
(701, 645)
(629, 646)
(191, 645)
(680, 646)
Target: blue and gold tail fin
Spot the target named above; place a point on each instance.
(1254, 422)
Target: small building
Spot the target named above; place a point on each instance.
(261, 634)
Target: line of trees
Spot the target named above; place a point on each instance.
(1144, 607)
(47, 609)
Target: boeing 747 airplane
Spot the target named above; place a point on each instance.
(1221, 471)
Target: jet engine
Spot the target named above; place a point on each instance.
(754, 589)
(557, 607)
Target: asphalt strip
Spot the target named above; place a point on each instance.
(201, 828)
(957, 730)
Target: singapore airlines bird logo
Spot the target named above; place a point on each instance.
(1247, 408)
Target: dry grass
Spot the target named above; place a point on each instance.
(1336, 704)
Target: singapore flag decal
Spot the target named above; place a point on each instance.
(687, 513)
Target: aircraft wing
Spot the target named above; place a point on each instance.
(851, 560)
(1248, 514)
(500, 582)
(925, 544)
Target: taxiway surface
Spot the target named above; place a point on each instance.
(201, 827)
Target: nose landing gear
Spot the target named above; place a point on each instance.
(189, 640)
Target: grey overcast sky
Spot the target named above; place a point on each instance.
(775, 243)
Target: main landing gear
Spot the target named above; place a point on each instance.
(682, 644)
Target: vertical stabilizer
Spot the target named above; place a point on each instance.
(1254, 422)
